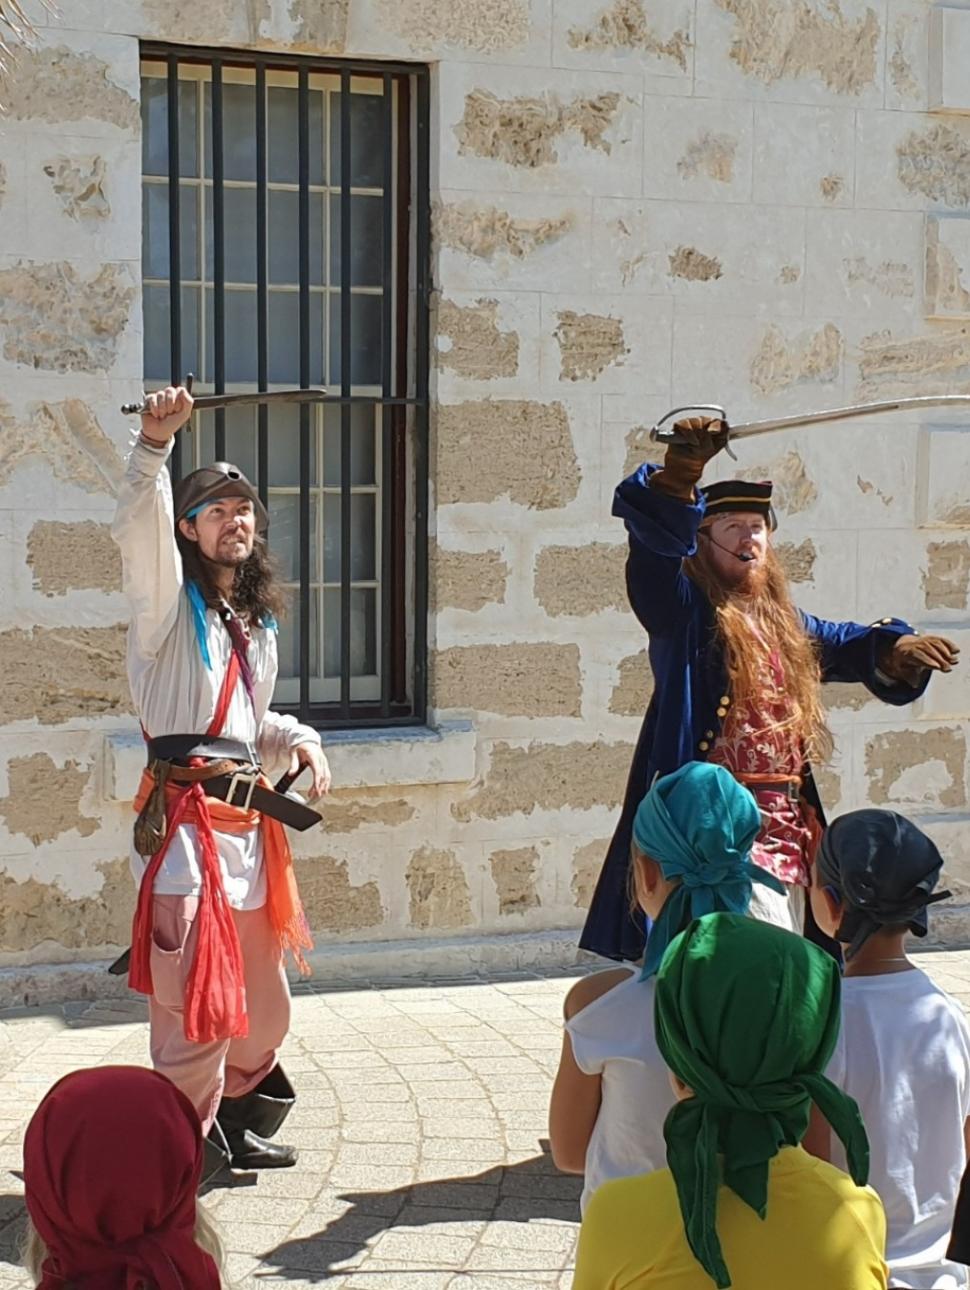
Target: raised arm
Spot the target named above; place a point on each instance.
(662, 512)
(144, 523)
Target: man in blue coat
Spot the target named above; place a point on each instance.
(737, 671)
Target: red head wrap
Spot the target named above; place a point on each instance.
(112, 1159)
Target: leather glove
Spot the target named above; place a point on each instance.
(910, 656)
(684, 462)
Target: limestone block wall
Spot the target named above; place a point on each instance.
(637, 203)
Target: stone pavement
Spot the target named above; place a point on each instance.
(421, 1120)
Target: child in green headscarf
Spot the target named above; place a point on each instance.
(692, 834)
(746, 1018)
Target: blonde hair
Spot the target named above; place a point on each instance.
(777, 621)
(34, 1251)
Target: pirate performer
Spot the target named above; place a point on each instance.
(737, 671)
(217, 902)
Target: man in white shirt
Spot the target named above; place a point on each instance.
(217, 905)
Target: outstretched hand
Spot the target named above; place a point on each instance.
(703, 437)
(911, 656)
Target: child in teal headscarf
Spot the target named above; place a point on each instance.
(746, 1018)
(692, 838)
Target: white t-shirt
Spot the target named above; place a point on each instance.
(904, 1055)
(613, 1037)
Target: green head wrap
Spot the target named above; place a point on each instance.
(699, 824)
(747, 1016)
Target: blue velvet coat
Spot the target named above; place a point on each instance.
(690, 680)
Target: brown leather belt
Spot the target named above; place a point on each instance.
(789, 786)
(238, 785)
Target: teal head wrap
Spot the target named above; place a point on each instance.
(699, 825)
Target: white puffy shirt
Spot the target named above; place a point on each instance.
(173, 690)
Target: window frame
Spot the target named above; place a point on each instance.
(400, 402)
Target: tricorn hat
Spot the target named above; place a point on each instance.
(739, 495)
(208, 484)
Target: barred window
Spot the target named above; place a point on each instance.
(285, 243)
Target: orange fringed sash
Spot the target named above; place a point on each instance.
(215, 995)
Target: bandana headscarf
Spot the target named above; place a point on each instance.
(112, 1159)
(746, 1015)
(884, 869)
(699, 824)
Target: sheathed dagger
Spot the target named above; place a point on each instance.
(667, 434)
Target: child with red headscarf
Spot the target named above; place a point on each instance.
(112, 1159)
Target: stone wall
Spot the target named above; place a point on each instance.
(636, 204)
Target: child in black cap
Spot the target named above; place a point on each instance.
(904, 1047)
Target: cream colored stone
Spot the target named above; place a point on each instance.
(822, 138)
(938, 363)
(579, 580)
(68, 437)
(947, 267)
(946, 580)
(471, 342)
(486, 231)
(863, 263)
(794, 490)
(514, 874)
(480, 457)
(59, 674)
(525, 131)
(935, 163)
(467, 580)
(320, 25)
(516, 679)
(53, 319)
(634, 686)
(588, 345)
(780, 362)
(709, 154)
(944, 461)
(949, 58)
(69, 557)
(775, 41)
(60, 85)
(840, 697)
(698, 149)
(587, 863)
(687, 262)
(797, 560)
(548, 777)
(331, 901)
(924, 767)
(44, 800)
(79, 185)
(624, 25)
(344, 814)
(437, 891)
(480, 26)
(641, 448)
(34, 912)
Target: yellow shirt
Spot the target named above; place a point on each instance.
(821, 1232)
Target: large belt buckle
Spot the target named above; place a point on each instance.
(250, 779)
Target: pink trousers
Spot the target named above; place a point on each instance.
(204, 1072)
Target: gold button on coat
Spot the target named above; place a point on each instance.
(725, 700)
(722, 712)
(703, 745)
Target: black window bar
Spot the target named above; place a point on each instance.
(233, 195)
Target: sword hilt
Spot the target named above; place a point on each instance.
(670, 434)
(139, 409)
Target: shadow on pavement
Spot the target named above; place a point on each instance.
(519, 1193)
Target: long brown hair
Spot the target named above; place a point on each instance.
(778, 622)
(256, 594)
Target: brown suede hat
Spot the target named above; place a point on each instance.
(221, 479)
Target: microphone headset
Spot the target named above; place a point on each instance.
(744, 556)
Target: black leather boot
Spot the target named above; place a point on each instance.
(216, 1154)
(249, 1121)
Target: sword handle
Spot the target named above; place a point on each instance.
(669, 434)
(284, 784)
(139, 409)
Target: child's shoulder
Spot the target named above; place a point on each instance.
(589, 989)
